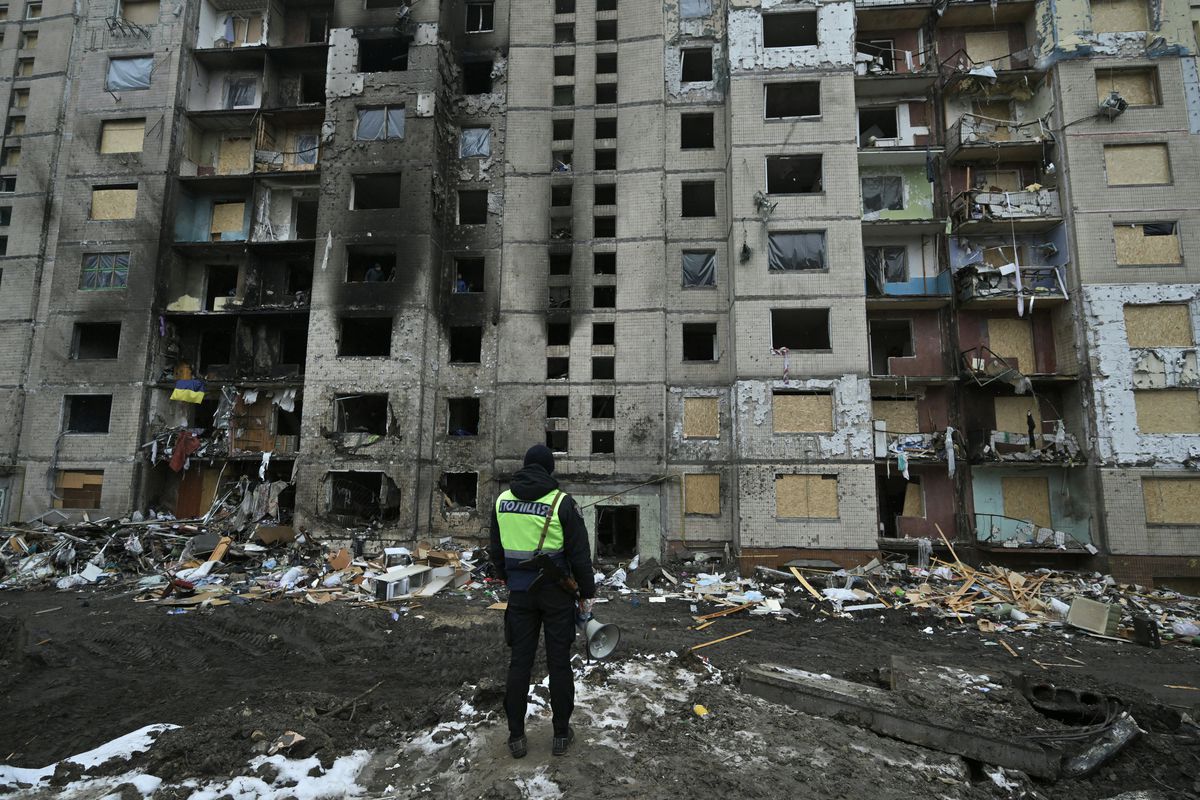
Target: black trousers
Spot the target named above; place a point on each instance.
(551, 608)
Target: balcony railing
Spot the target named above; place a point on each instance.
(979, 205)
(913, 446)
(997, 530)
(913, 286)
(1050, 446)
(982, 282)
(973, 129)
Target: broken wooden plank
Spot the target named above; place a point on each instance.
(718, 641)
(726, 612)
(1008, 647)
(807, 585)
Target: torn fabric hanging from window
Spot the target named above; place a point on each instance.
(882, 192)
(885, 265)
(125, 74)
(796, 251)
(700, 269)
(691, 9)
(475, 142)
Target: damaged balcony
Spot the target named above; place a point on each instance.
(908, 344)
(996, 137)
(897, 198)
(1010, 271)
(995, 209)
(221, 348)
(912, 425)
(1005, 349)
(904, 269)
(1032, 510)
(249, 285)
(893, 53)
(272, 209)
(897, 132)
(1029, 428)
(231, 29)
(985, 48)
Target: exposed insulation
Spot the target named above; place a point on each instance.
(1167, 410)
(1171, 501)
(812, 496)
(122, 135)
(1138, 87)
(900, 415)
(702, 493)
(914, 501)
(1135, 247)
(1012, 340)
(1011, 414)
(989, 46)
(1119, 16)
(1137, 164)
(114, 203)
(227, 217)
(802, 413)
(234, 157)
(1027, 498)
(1164, 325)
(996, 110)
(701, 418)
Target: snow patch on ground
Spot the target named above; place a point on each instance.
(538, 786)
(292, 781)
(123, 747)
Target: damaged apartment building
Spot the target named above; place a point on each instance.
(798, 279)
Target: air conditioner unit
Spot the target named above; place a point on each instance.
(1113, 106)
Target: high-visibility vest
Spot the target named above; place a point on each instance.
(521, 523)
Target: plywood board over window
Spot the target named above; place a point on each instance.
(122, 135)
(234, 156)
(1138, 87)
(78, 488)
(227, 218)
(115, 203)
(990, 47)
(702, 494)
(1011, 414)
(1012, 340)
(1171, 501)
(802, 413)
(1163, 325)
(1027, 498)
(1147, 243)
(1120, 16)
(701, 418)
(1137, 164)
(900, 415)
(914, 501)
(1167, 410)
(806, 496)
(140, 12)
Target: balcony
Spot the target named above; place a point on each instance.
(985, 286)
(915, 447)
(882, 286)
(1052, 445)
(1008, 534)
(980, 211)
(975, 137)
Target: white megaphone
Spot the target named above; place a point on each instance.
(601, 639)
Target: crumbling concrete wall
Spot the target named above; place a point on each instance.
(1066, 29)
(835, 36)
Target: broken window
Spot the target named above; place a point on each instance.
(104, 271)
(20, 98)
(604, 333)
(462, 416)
(475, 142)
(885, 264)
(375, 191)
(558, 407)
(696, 65)
(560, 263)
(562, 130)
(890, 338)
(78, 488)
(790, 29)
(559, 297)
(875, 124)
(241, 92)
(699, 341)
(603, 442)
(564, 66)
(1147, 243)
(113, 202)
(696, 131)
(606, 159)
(220, 286)
(363, 495)
(603, 368)
(472, 207)
(604, 406)
(308, 149)
(558, 334)
(480, 14)
(564, 95)
(557, 368)
(606, 128)
(692, 9)
(606, 5)
(606, 30)
(606, 93)
(15, 127)
(382, 54)
(365, 337)
(127, 74)
(800, 328)
(561, 161)
(95, 340)
(604, 297)
(380, 122)
(604, 263)
(564, 33)
(616, 531)
(795, 250)
(466, 344)
(361, 413)
(604, 227)
(468, 275)
(882, 193)
(1137, 87)
(793, 174)
(33, 10)
(8, 184)
(557, 441)
(606, 63)
(564, 6)
(366, 264)
(86, 413)
(216, 349)
(604, 194)
(698, 199)
(477, 77)
(699, 268)
(882, 51)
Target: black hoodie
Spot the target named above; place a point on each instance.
(530, 483)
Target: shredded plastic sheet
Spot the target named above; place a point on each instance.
(473, 142)
(886, 264)
(241, 92)
(129, 73)
(699, 268)
(794, 251)
(691, 9)
(376, 124)
(880, 192)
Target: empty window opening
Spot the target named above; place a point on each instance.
(604, 297)
(564, 6)
(361, 413)
(8, 184)
(365, 337)
(369, 264)
(606, 159)
(696, 131)
(890, 338)
(604, 333)
(312, 88)
(375, 191)
(379, 123)
(462, 416)
(220, 286)
(800, 328)
(387, 54)
(700, 341)
(558, 407)
(603, 368)
(606, 30)
(881, 50)
(318, 28)
(605, 194)
(696, 64)
(606, 63)
(898, 497)
(557, 441)
(475, 142)
(559, 297)
(616, 531)
(791, 100)
(216, 349)
(604, 227)
(78, 488)
(560, 263)
(564, 95)
(466, 344)
(365, 496)
(875, 124)
(87, 413)
(793, 174)
(606, 128)
(882, 193)
(477, 77)
(699, 268)
(794, 251)
(606, 5)
(564, 65)
(562, 130)
(558, 368)
(560, 196)
(603, 442)
(698, 199)
(468, 275)
(790, 29)
(604, 406)
(480, 16)
(558, 334)
(564, 32)
(472, 207)
(306, 219)
(604, 263)
(95, 340)
(606, 93)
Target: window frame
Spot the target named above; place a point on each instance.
(489, 6)
(100, 269)
(387, 119)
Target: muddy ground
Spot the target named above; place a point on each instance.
(78, 669)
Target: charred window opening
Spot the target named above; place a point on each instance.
(306, 219)
(480, 16)
(800, 328)
(603, 368)
(604, 227)
(698, 199)
(216, 349)
(562, 129)
(312, 86)
(558, 407)
(795, 251)
(604, 333)
(564, 95)
(603, 442)
(790, 29)
(466, 344)
(882, 193)
(361, 413)
(606, 5)
(606, 30)
(370, 264)
(558, 334)
(468, 275)
(606, 93)
(604, 406)
(383, 54)
(378, 190)
(560, 196)
(606, 128)
(877, 123)
(460, 490)
(557, 441)
(616, 531)
(564, 65)
(564, 33)
(696, 64)
(365, 337)
(606, 63)
(95, 340)
(559, 297)
(293, 347)
(793, 174)
(606, 159)
(696, 131)
(789, 100)
(700, 341)
(558, 368)
(472, 207)
(560, 263)
(605, 194)
(462, 416)
(890, 338)
(221, 283)
(362, 496)
(477, 77)
(604, 263)
(87, 413)
(604, 297)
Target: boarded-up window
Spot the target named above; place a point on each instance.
(813, 496)
(801, 413)
(1012, 340)
(1137, 164)
(122, 135)
(899, 415)
(702, 494)
(1137, 87)
(1012, 414)
(914, 501)
(78, 488)
(1120, 16)
(701, 418)
(1027, 498)
(1164, 325)
(1147, 243)
(1167, 410)
(227, 218)
(1171, 501)
(989, 47)
(114, 202)
(140, 12)
(234, 156)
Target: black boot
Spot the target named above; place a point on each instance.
(562, 743)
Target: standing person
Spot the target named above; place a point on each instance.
(534, 516)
